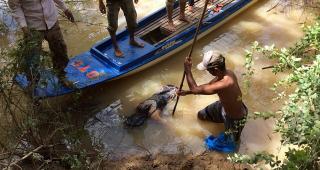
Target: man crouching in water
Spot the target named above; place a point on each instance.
(230, 109)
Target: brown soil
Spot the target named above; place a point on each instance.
(207, 160)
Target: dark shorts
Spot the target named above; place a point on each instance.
(113, 8)
(215, 113)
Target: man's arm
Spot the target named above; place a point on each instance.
(61, 5)
(102, 7)
(206, 89)
(65, 10)
(18, 14)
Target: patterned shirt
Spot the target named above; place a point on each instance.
(36, 14)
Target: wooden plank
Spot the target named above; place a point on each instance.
(193, 16)
(164, 20)
(180, 25)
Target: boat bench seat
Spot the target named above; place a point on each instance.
(132, 55)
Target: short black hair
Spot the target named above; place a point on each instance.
(218, 63)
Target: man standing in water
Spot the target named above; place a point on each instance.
(39, 20)
(230, 109)
(113, 8)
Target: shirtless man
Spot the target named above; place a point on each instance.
(230, 109)
(182, 17)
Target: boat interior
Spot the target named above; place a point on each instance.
(157, 31)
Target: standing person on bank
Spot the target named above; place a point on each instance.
(113, 8)
(230, 109)
(39, 20)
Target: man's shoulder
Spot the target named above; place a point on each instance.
(229, 78)
(230, 74)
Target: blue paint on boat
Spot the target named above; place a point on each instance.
(132, 55)
(100, 65)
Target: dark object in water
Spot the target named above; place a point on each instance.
(136, 119)
(157, 102)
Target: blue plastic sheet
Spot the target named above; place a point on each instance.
(221, 143)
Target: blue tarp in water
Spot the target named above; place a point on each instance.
(221, 143)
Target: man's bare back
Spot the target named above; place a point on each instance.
(231, 96)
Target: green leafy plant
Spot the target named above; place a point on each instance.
(298, 121)
(41, 132)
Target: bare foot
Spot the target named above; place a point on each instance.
(190, 8)
(136, 44)
(67, 83)
(184, 18)
(118, 53)
(171, 27)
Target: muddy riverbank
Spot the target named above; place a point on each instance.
(206, 160)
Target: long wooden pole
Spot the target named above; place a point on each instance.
(191, 50)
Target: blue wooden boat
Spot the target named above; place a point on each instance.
(99, 65)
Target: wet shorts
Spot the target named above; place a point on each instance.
(215, 113)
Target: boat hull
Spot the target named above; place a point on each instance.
(99, 65)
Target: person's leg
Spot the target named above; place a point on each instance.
(113, 8)
(30, 59)
(131, 18)
(182, 16)
(191, 2)
(235, 126)
(58, 49)
(169, 7)
(241, 123)
(59, 53)
(212, 113)
(190, 5)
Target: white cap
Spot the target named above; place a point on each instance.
(208, 57)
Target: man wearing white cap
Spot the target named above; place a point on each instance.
(230, 109)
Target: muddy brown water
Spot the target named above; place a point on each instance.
(183, 132)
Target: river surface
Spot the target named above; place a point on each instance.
(183, 132)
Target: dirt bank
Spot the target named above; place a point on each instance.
(207, 160)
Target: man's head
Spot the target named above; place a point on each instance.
(212, 61)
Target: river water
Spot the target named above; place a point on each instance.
(183, 132)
